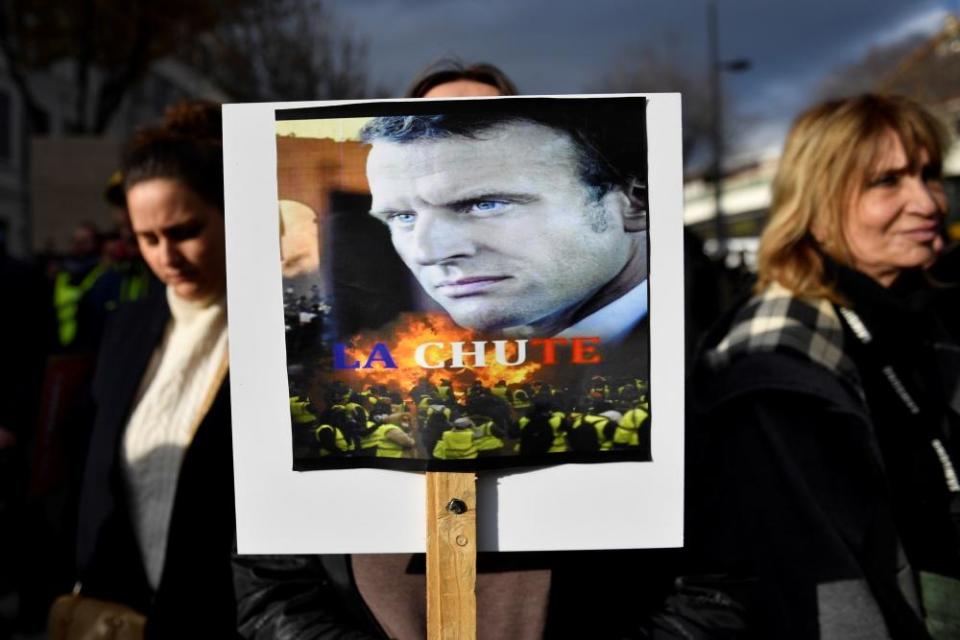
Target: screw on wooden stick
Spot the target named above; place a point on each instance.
(457, 506)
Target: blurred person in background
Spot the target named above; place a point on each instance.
(156, 520)
(103, 271)
(823, 448)
(120, 275)
(80, 270)
(125, 277)
(129, 276)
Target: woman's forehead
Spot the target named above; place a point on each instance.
(888, 152)
(893, 151)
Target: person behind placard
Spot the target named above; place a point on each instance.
(519, 595)
(451, 78)
(156, 521)
(823, 447)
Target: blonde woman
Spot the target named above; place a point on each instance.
(823, 449)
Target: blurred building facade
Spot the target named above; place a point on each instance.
(51, 181)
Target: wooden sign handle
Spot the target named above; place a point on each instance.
(451, 556)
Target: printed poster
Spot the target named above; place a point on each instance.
(479, 296)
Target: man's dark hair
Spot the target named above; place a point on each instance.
(451, 70)
(609, 135)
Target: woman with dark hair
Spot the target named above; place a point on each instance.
(156, 514)
(450, 78)
(824, 447)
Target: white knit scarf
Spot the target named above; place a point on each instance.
(171, 394)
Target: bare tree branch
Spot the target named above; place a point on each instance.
(655, 68)
(115, 86)
(925, 68)
(283, 50)
(110, 43)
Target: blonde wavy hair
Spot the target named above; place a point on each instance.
(827, 161)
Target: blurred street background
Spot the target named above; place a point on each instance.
(78, 77)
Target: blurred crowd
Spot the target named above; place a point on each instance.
(59, 306)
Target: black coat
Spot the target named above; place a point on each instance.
(817, 500)
(593, 594)
(195, 594)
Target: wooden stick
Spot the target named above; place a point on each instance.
(451, 556)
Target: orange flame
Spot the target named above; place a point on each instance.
(405, 334)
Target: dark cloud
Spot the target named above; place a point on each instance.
(562, 46)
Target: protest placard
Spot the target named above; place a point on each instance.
(485, 284)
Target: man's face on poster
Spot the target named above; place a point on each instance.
(499, 229)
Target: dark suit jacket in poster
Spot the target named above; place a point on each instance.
(195, 595)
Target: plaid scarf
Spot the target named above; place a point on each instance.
(777, 321)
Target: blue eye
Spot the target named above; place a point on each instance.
(402, 218)
(487, 206)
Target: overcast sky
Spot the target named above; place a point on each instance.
(561, 46)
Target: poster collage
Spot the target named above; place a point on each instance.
(466, 282)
